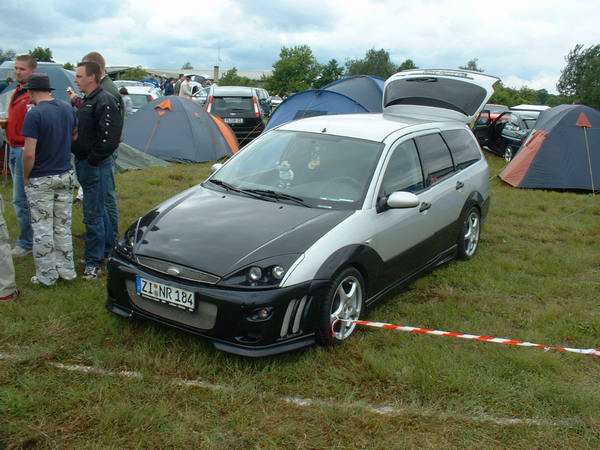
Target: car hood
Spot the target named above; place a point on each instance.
(219, 233)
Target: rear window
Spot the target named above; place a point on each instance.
(464, 150)
(437, 92)
(233, 104)
(435, 157)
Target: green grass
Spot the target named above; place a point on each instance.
(536, 277)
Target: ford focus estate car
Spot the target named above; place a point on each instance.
(288, 242)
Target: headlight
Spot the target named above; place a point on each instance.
(266, 273)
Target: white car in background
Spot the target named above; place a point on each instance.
(142, 95)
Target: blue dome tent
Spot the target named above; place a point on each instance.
(357, 94)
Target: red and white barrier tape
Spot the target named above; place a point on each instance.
(473, 337)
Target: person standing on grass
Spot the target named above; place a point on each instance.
(177, 87)
(109, 86)
(186, 89)
(49, 180)
(127, 102)
(98, 135)
(25, 65)
(8, 286)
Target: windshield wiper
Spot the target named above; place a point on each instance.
(278, 195)
(231, 187)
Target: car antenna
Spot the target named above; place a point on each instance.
(324, 130)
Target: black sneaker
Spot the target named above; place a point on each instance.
(91, 272)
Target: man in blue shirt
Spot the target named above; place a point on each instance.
(49, 181)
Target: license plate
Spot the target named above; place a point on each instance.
(233, 120)
(165, 294)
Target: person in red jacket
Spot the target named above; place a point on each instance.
(19, 104)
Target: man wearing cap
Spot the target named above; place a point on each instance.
(49, 181)
(98, 135)
(25, 65)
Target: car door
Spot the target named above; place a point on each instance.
(444, 192)
(403, 235)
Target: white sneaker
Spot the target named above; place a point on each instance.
(19, 252)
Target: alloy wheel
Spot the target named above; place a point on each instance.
(508, 154)
(471, 236)
(346, 307)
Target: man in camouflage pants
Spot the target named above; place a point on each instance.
(49, 181)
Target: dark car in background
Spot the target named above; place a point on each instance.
(505, 134)
(240, 108)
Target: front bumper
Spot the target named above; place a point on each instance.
(222, 313)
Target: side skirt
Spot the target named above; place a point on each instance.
(442, 258)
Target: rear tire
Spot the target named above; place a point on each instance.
(344, 300)
(508, 154)
(468, 236)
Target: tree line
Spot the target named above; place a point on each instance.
(297, 69)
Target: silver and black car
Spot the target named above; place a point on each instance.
(288, 243)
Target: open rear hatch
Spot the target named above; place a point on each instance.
(446, 94)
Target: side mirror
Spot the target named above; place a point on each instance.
(215, 167)
(403, 199)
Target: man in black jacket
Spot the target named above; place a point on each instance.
(98, 134)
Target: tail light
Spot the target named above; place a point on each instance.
(210, 102)
(256, 107)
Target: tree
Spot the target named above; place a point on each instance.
(231, 78)
(407, 65)
(375, 62)
(7, 55)
(41, 54)
(472, 65)
(68, 66)
(296, 70)
(187, 66)
(330, 72)
(580, 79)
(134, 73)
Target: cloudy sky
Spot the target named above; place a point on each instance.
(522, 42)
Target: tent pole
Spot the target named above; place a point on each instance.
(587, 146)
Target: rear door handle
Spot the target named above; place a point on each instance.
(424, 206)
(459, 185)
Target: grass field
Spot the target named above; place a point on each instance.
(536, 277)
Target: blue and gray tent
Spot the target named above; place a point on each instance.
(357, 94)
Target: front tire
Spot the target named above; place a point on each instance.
(344, 300)
(468, 237)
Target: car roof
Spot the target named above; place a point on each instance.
(373, 127)
(233, 91)
(140, 89)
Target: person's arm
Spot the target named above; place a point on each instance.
(28, 158)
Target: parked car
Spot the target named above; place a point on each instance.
(142, 95)
(538, 108)
(200, 96)
(239, 107)
(505, 134)
(275, 101)
(265, 100)
(314, 221)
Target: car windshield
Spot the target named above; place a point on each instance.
(139, 100)
(318, 170)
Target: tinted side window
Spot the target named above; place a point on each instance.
(464, 151)
(403, 172)
(435, 157)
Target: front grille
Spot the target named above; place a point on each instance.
(185, 273)
(292, 320)
(203, 317)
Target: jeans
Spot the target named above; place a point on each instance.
(25, 238)
(111, 205)
(98, 237)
